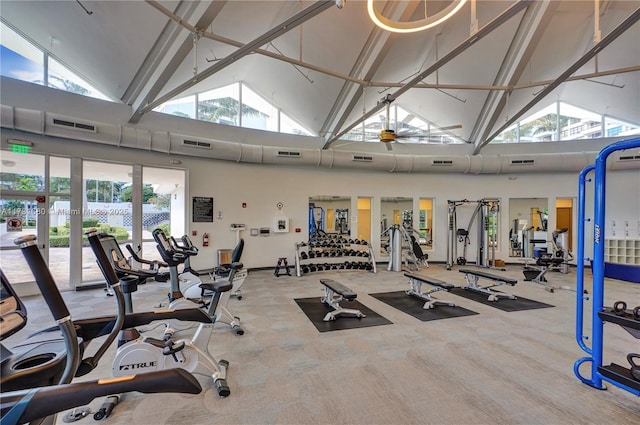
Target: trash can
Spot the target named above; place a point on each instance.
(224, 256)
(538, 252)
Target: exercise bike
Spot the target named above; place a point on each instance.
(34, 385)
(174, 256)
(222, 272)
(145, 354)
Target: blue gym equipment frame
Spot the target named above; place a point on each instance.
(614, 374)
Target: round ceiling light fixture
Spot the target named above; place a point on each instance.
(414, 26)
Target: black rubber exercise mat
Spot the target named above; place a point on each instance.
(413, 307)
(316, 310)
(503, 304)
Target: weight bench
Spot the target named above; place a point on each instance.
(415, 289)
(544, 263)
(334, 292)
(473, 276)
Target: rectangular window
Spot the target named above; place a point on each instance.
(60, 77)
(19, 58)
(59, 175)
(183, 107)
(22, 172)
(220, 105)
(258, 113)
(288, 125)
(577, 123)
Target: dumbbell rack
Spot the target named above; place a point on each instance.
(334, 253)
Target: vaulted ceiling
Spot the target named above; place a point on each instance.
(329, 67)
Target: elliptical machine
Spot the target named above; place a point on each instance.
(24, 397)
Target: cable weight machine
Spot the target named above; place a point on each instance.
(484, 216)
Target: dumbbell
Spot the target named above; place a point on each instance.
(304, 255)
(305, 269)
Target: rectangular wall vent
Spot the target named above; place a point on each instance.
(362, 158)
(630, 158)
(441, 162)
(523, 161)
(289, 154)
(196, 144)
(76, 125)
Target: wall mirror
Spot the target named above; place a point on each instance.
(364, 219)
(564, 219)
(329, 214)
(425, 223)
(528, 231)
(394, 210)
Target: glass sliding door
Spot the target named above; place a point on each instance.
(163, 206)
(59, 209)
(106, 205)
(22, 212)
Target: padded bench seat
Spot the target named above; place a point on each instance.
(430, 280)
(340, 289)
(473, 276)
(416, 280)
(490, 276)
(334, 292)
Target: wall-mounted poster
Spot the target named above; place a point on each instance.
(202, 209)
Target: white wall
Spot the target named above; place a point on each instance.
(261, 187)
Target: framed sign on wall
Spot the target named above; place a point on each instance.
(202, 209)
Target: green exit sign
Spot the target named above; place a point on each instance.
(20, 148)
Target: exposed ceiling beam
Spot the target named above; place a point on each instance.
(525, 40)
(291, 23)
(158, 52)
(614, 34)
(368, 83)
(379, 40)
(481, 33)
(511, 87)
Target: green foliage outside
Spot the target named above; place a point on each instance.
(88, 222)
(166, 228)
(225, 108)
(59, 235)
